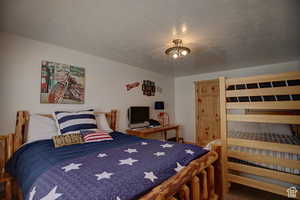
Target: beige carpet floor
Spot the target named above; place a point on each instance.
(240, 192)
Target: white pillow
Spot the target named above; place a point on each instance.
(253, 127)
(40, 128)
(210, 144)
(102, 123)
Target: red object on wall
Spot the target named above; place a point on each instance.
(132, 85)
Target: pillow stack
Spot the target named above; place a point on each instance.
(72, 122)
(83, 123)
(69, 127)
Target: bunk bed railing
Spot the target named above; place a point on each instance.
(288, 148)
(259, 185)
(280, 105)
(265, 118)
(263, 78)
(264, 91)
(282, 111)
(264, 172)
(264, 159)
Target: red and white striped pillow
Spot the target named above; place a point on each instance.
(95, 136)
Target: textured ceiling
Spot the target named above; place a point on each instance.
(223, 34)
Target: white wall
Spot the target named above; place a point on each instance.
(20, 69)
(185, 97)
(20, 76)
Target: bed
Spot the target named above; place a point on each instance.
(267, 137)
(126, 168)
(268, 161)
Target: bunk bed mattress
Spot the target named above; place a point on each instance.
(267, 137)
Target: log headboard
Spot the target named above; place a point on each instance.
(11, 142)
(23, 118)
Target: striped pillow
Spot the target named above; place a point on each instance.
(73, 122)
(95, 136)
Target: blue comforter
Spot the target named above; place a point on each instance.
(124, 168)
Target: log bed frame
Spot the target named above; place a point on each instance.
(200, 180)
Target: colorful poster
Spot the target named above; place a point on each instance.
(62, 83)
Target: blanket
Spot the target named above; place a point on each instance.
(125, 168)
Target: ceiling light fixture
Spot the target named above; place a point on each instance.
(178, 50)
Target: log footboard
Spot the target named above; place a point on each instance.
(201, 179)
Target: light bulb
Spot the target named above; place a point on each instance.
(175, 55)
(184, 52)
(183, 29)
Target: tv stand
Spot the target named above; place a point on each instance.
(143, 132)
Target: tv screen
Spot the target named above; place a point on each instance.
(138, 114)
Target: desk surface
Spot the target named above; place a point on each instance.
(153, 129)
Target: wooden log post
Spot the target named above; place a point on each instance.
(8, 189)
(184, 193)
(2, 155)
(204, 184)
(211, 182)
(6, 149)
(196, 188)
(19, 136)
(113, 119)
(219, 173)
(223, 117)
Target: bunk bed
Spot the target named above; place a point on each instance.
(269, 162)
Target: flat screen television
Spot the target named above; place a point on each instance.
(138, 114)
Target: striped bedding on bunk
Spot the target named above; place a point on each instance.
(273, 84)
(267, 137)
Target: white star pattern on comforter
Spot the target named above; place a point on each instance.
(112, 168)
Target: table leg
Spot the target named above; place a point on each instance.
(177, 134)
(165, 135)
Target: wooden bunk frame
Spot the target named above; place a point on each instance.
(201, 179)
(285, 112)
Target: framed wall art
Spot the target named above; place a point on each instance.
(62, 83)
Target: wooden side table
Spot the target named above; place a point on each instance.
(143, 132)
